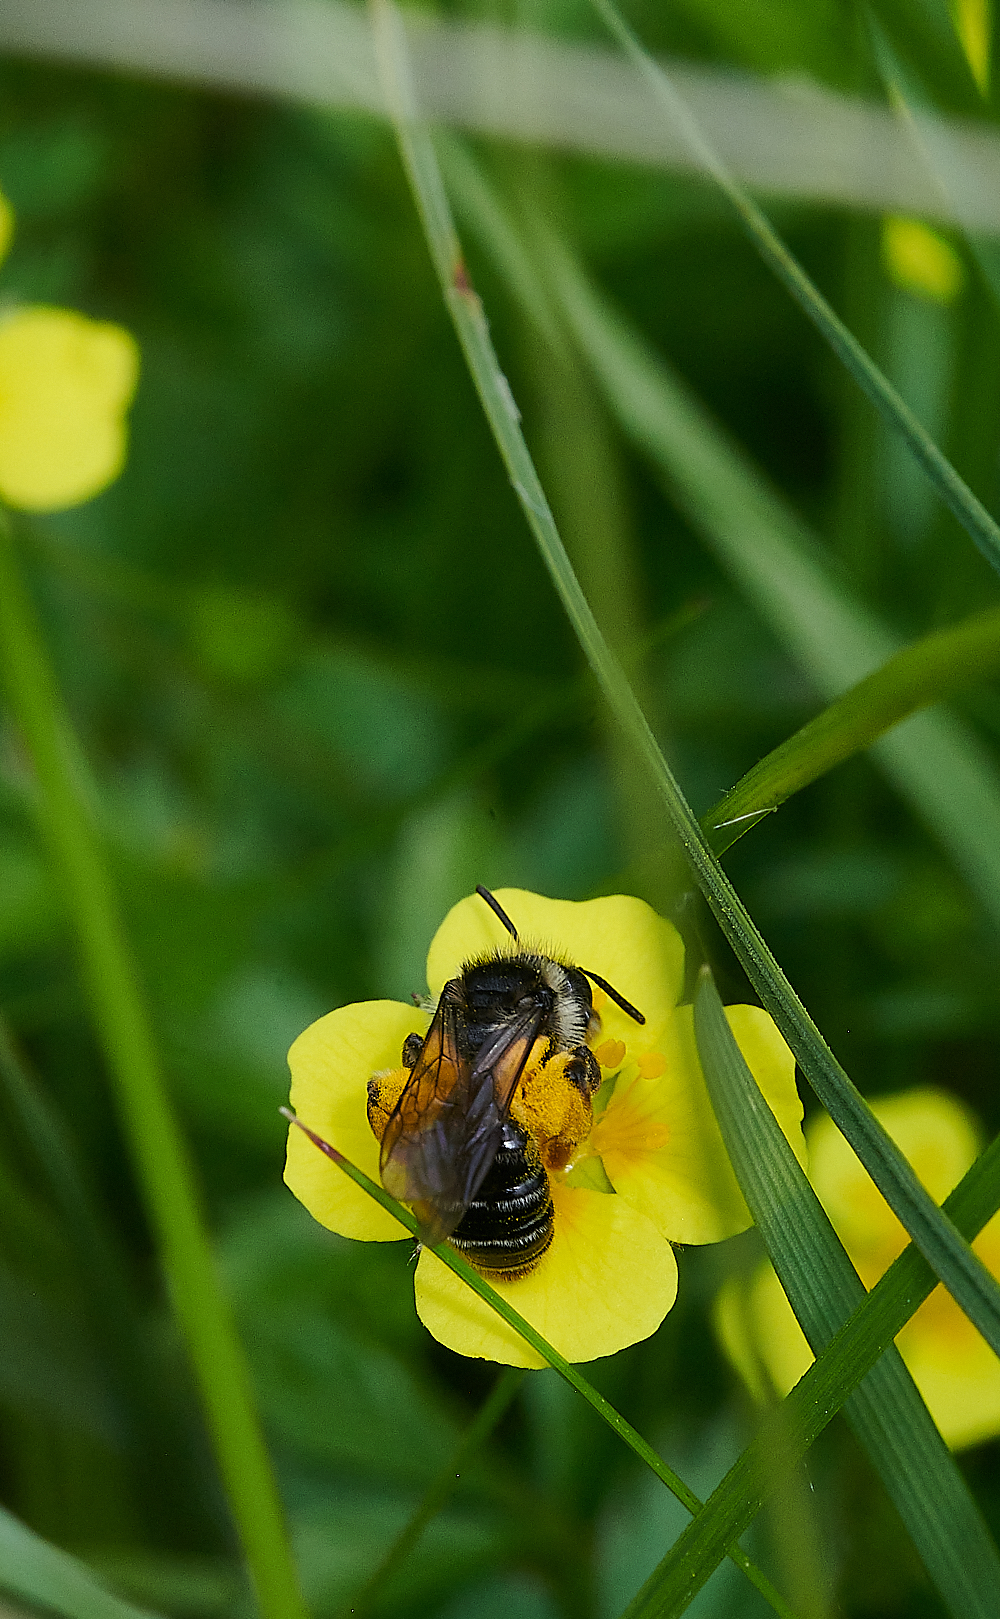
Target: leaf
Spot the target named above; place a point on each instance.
(885, 1411)
(785, 1436)
(922, 673)
(36, 1572)
(731, 504)
(953, 491)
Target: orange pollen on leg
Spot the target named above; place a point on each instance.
(551, 1107)
(384, 1090)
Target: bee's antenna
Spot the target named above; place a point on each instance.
(499, 911)
(619, 1000)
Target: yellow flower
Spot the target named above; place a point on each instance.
(920, 261)
(954, 1368)
(65, 383)
(651, 1171)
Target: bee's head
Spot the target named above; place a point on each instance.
(507, 984)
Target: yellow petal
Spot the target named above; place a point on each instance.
(936, 1133)
(620, 938)
(331, 1065)
(954, 1369)
(780, 1341)
(607, 1281)
(65, 382)
(963, 1397)
(735, 1326)
(659, 1140)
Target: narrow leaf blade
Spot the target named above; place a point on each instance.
(886, 1411)
(37, 1572)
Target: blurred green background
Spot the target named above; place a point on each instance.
(324, 687)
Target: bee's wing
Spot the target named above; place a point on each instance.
(447, 1127)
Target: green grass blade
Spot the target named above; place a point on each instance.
(814, 1401)
(952, 490)
(886, 1411)
(924, 38)
(776, 558)
(119, 1328)
(923, 673)
(162, 1165)
(935, 761)
(493, 1408)
(44, 1575)
(786, 1435)
(963, 1274)
(605, 1410)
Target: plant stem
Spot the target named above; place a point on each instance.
(605, 1410)
(162, 1164)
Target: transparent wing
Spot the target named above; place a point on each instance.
(447, 1127)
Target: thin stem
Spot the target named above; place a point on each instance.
(452, 1258)
(952, 489)
(164, 1171)
(961, 1271)
(475, 1436)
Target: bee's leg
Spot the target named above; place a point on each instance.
(584, 1071)
(384, 1090)
(413, 1045)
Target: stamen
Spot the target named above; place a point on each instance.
(652, 1064)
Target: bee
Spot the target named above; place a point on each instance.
(450, 1147)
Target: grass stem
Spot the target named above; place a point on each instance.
(164, 1171)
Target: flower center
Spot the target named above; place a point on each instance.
(630, 1124)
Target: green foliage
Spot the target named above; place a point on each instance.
(323, 685)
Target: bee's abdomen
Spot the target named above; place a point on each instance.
(508, 1225)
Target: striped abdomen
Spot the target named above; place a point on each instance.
(508, 1225)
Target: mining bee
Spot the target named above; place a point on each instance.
(449, 1145)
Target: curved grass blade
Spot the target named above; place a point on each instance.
(952, 490)
(123, 1026)
(935, 761)
(923, 673)
(886, 1411)
(453, 1259)
(44, 1575)
(938, 763)
(963, 1274)
(786, 1436)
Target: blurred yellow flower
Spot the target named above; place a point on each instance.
(65, 383)
(919, 260)
(954, 1368)
(972, 25)
(650, 1170)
